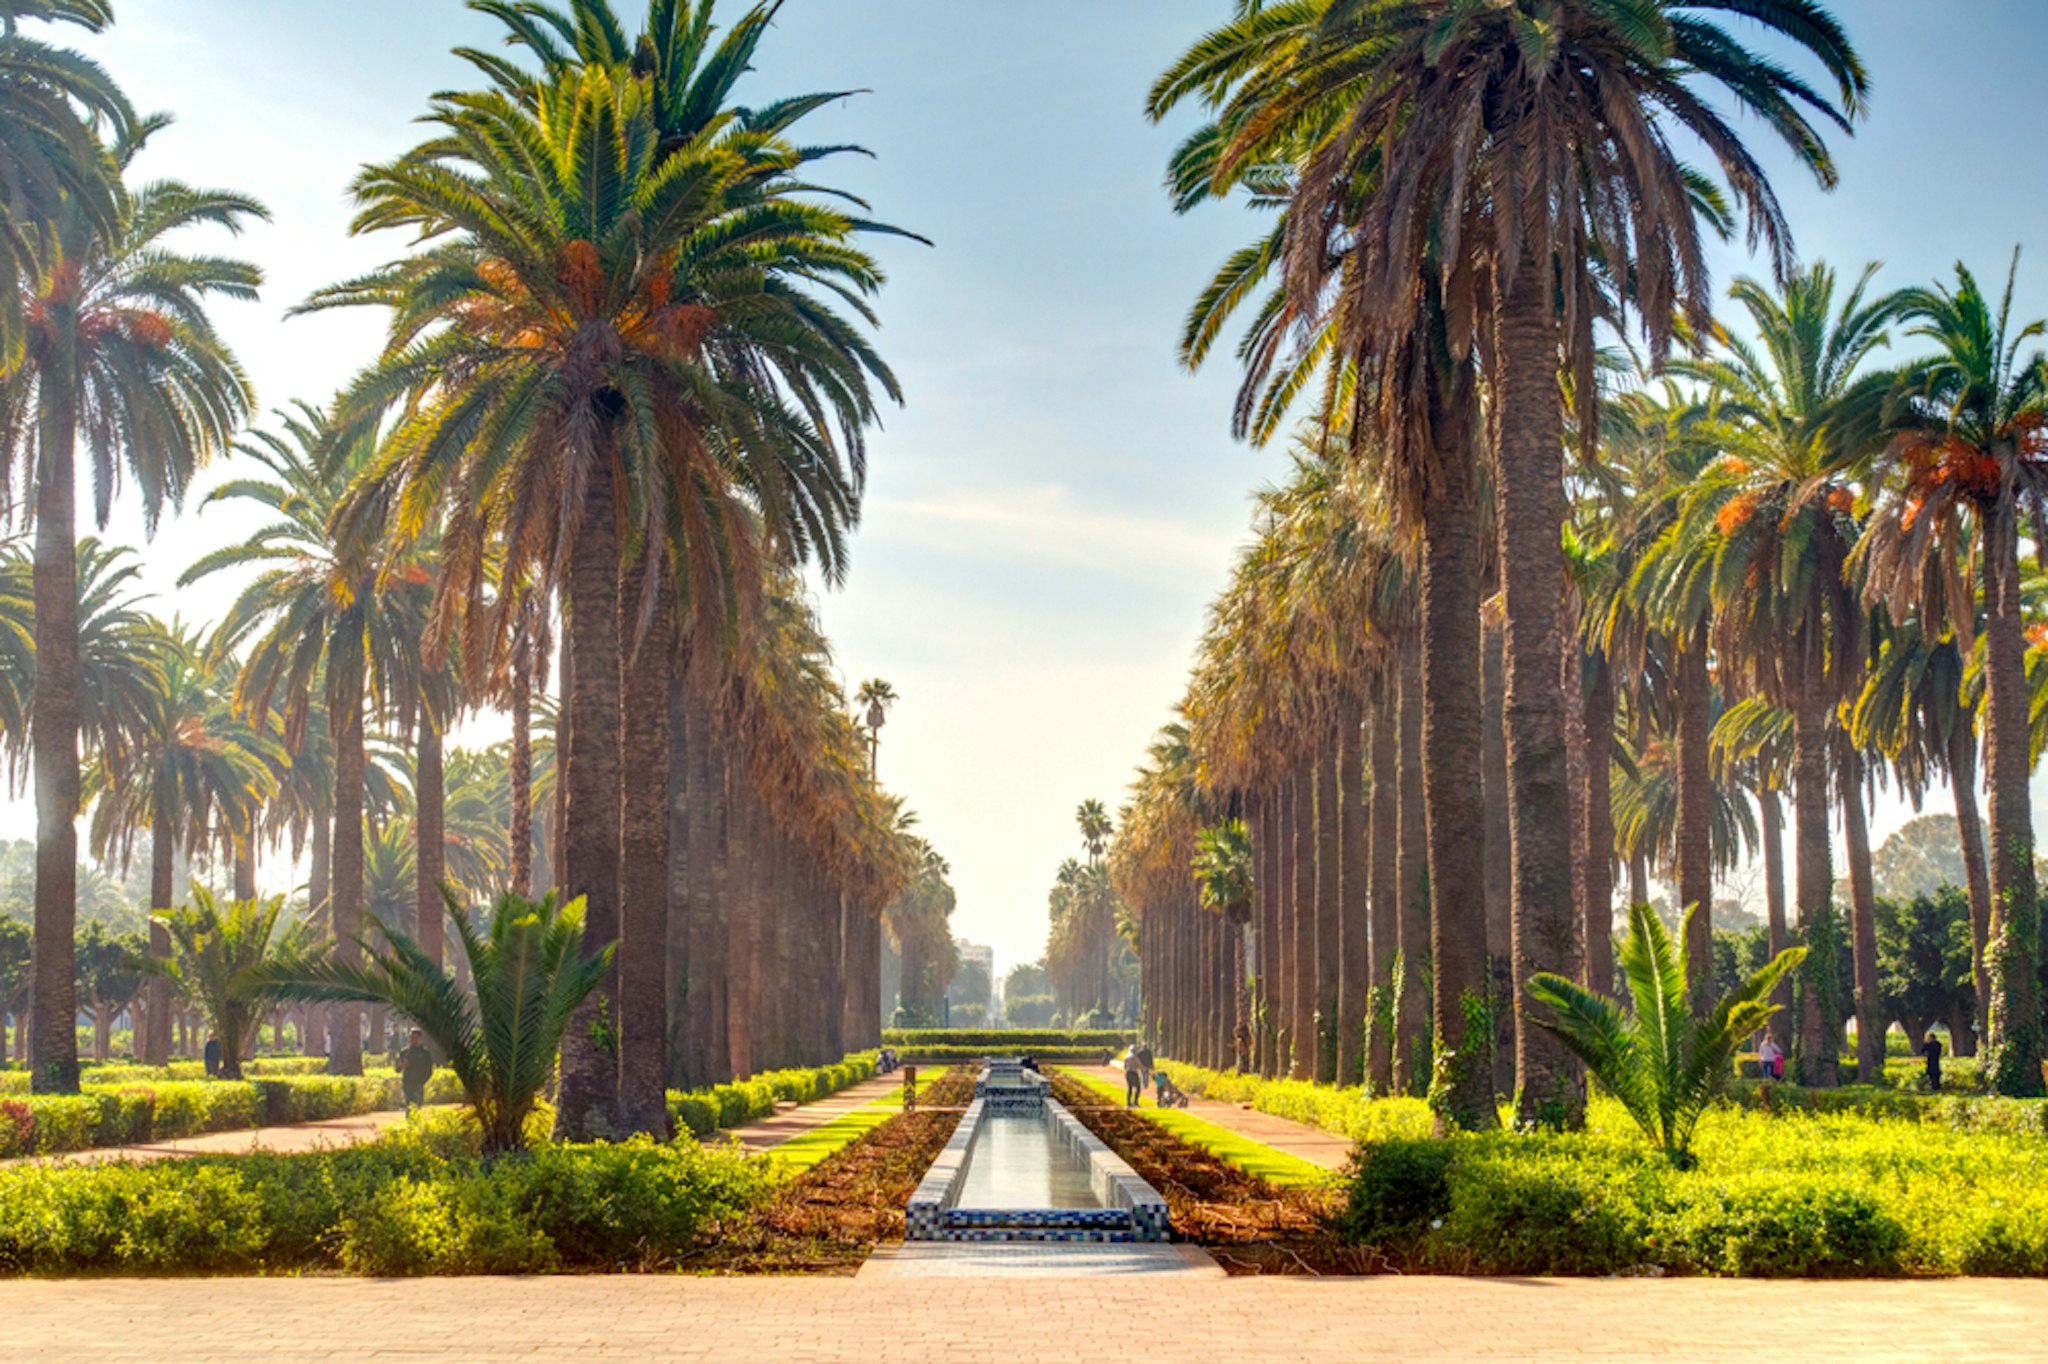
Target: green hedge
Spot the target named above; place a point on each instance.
(919, 1056)
(1788, 1194)
(161, 1110)
(408, 1205)
(701, 1112)
(1008, 1041)
(126, 1073)
(1345, 1111)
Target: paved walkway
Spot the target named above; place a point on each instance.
(1190, 1321)
(284, 1139)
(1312, 1144)
(795, 1119)
(1035, 1260)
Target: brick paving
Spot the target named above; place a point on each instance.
(286, 1139)
(809, 1320)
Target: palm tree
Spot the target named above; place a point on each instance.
(1224, 870)
(196, 776)
(219, 955)
(1665, 1061)
(120, 353)
(50, 158)
(1404, 120)
(1767, 530)
(332, 613)
(875, 697)
(1970, 454)
(725, 424)
(530, 972)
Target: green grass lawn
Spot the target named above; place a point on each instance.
(1255, 1158)
(805, 1150)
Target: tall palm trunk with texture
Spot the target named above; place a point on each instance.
(1596, 928)
(519, 768)
(2012, 1063)
(589, 1092)
(53, 727)
(1454, 786)
(1301, 951)
(1773, 808)
(1385, 896)
(430, 861)
(1962, 780)
(643, 871)
(1870, 1015)
(1329, 901)
(1814, 878)
(1354, 938)
(1412, 1054)
(1550, 1086)
(1696, 814)
(154, 1045)
(345, 724)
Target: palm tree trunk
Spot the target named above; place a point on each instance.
(744, 932)
(53, 733)
(1696, 814)
(154, 1046)
(520, 767)
(1385, 897)
(1354, 937)
(1329, 902)
(430, 860)
(1550, 1086)
(2012, 1062)
(1813, 876)
(345, 723)
(1265, 909)
(643, 871)
(1768, 801)
(1412, 1049)
(245, 866)
(1493, 763)
(1870, 1015)
(589, 769)
(1597, 908)
(1962, 780)
(1301, 955)
(1453, 785)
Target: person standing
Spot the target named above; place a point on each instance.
(212, 1056)
(415, 1067)
(1134, 1078)
(1770, 1062)
(1931, 1050)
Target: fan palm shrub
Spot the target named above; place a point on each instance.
(218, 954)
(1663, 1062)
(529, 971)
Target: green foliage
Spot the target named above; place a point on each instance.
(704, 1111)
(1923, 957)
(1029, 1011)
(421, 1203)
(219, 956)
(1820, 979)
(529, 972)
(1347, 1111)
(969, 1015)
(1223, 869)
(1782, 1195)
(1005, 1040)
(1664, 1064)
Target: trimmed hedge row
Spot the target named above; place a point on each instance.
(128, 1073)
(1008, 1040)
(418, 1202)
(1346, 1111)
(1773, 1195)
(121, 1115)
(701, 1112)
(919, 1055)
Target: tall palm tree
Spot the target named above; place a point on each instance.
(50, 158)
(1970, 455)
(677, 380)
(875, 698)
(121, 354)
(1767, 529)
(197, 776)
(1405, 120)
(331, 613)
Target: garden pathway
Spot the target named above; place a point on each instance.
(883, 1321)
(284, 1139)
(1312, 1144)
(796, 1119)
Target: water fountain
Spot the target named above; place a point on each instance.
(1021, 1167)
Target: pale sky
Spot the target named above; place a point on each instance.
(1051, 511)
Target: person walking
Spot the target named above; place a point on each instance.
(1134, 1078)
(1770, 1062)
(415, 1067)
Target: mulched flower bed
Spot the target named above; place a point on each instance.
(829, 1218)
(1250, 1226)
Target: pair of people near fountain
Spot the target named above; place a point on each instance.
(1139, 1066)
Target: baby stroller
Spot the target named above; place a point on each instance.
(1171, 1095)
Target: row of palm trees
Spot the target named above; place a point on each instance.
(621, 407)
(1563, 619)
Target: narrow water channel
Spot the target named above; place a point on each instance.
(1018, 1164)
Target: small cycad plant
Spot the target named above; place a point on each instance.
(1664, 1063)
(529, 971)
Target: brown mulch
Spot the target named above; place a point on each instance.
(1250, 1226)
(828, 1218)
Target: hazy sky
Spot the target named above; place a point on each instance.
(1057, 502)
